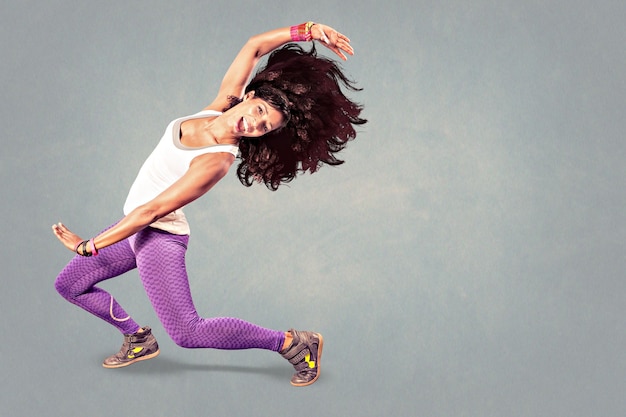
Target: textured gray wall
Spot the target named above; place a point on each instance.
(467, 260)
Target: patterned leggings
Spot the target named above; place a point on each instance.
(160, 259)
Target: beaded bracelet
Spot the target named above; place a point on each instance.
(302, 32)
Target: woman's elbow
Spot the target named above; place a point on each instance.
(254, 46)
(145, 215)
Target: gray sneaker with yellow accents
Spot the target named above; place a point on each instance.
(137, 347)
(304, 354)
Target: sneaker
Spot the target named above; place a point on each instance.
(304, 354)
(136, 347)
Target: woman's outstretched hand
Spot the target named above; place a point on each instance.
(332, 39)
(69, 239)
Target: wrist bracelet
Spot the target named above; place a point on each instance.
(302, 32)
(83, 247)
(94, 251)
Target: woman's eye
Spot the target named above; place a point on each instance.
(260, 110)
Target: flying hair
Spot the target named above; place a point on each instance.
(307, 89)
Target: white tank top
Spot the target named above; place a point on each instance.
(166, 164)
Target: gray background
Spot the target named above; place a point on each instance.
(467, 260)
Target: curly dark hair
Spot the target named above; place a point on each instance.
(319, 117)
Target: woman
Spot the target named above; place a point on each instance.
(292, 117)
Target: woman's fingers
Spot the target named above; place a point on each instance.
(333, 40)
(65, 236)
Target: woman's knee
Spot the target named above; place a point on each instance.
(70, 284)
(183, 342)
(184, 336)
(62, 285)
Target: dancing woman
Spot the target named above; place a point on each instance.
(291, 117)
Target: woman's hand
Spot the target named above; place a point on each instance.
(69, 239)
(332, 39)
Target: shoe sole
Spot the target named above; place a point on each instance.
(139, 359)
(319, 363)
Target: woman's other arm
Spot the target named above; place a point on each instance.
(203, 173)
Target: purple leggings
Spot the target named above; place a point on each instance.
(160, 259)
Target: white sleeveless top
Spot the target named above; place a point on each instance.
(166, 164)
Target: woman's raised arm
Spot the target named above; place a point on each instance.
(240, 70)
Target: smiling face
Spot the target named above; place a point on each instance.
(255, 117)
